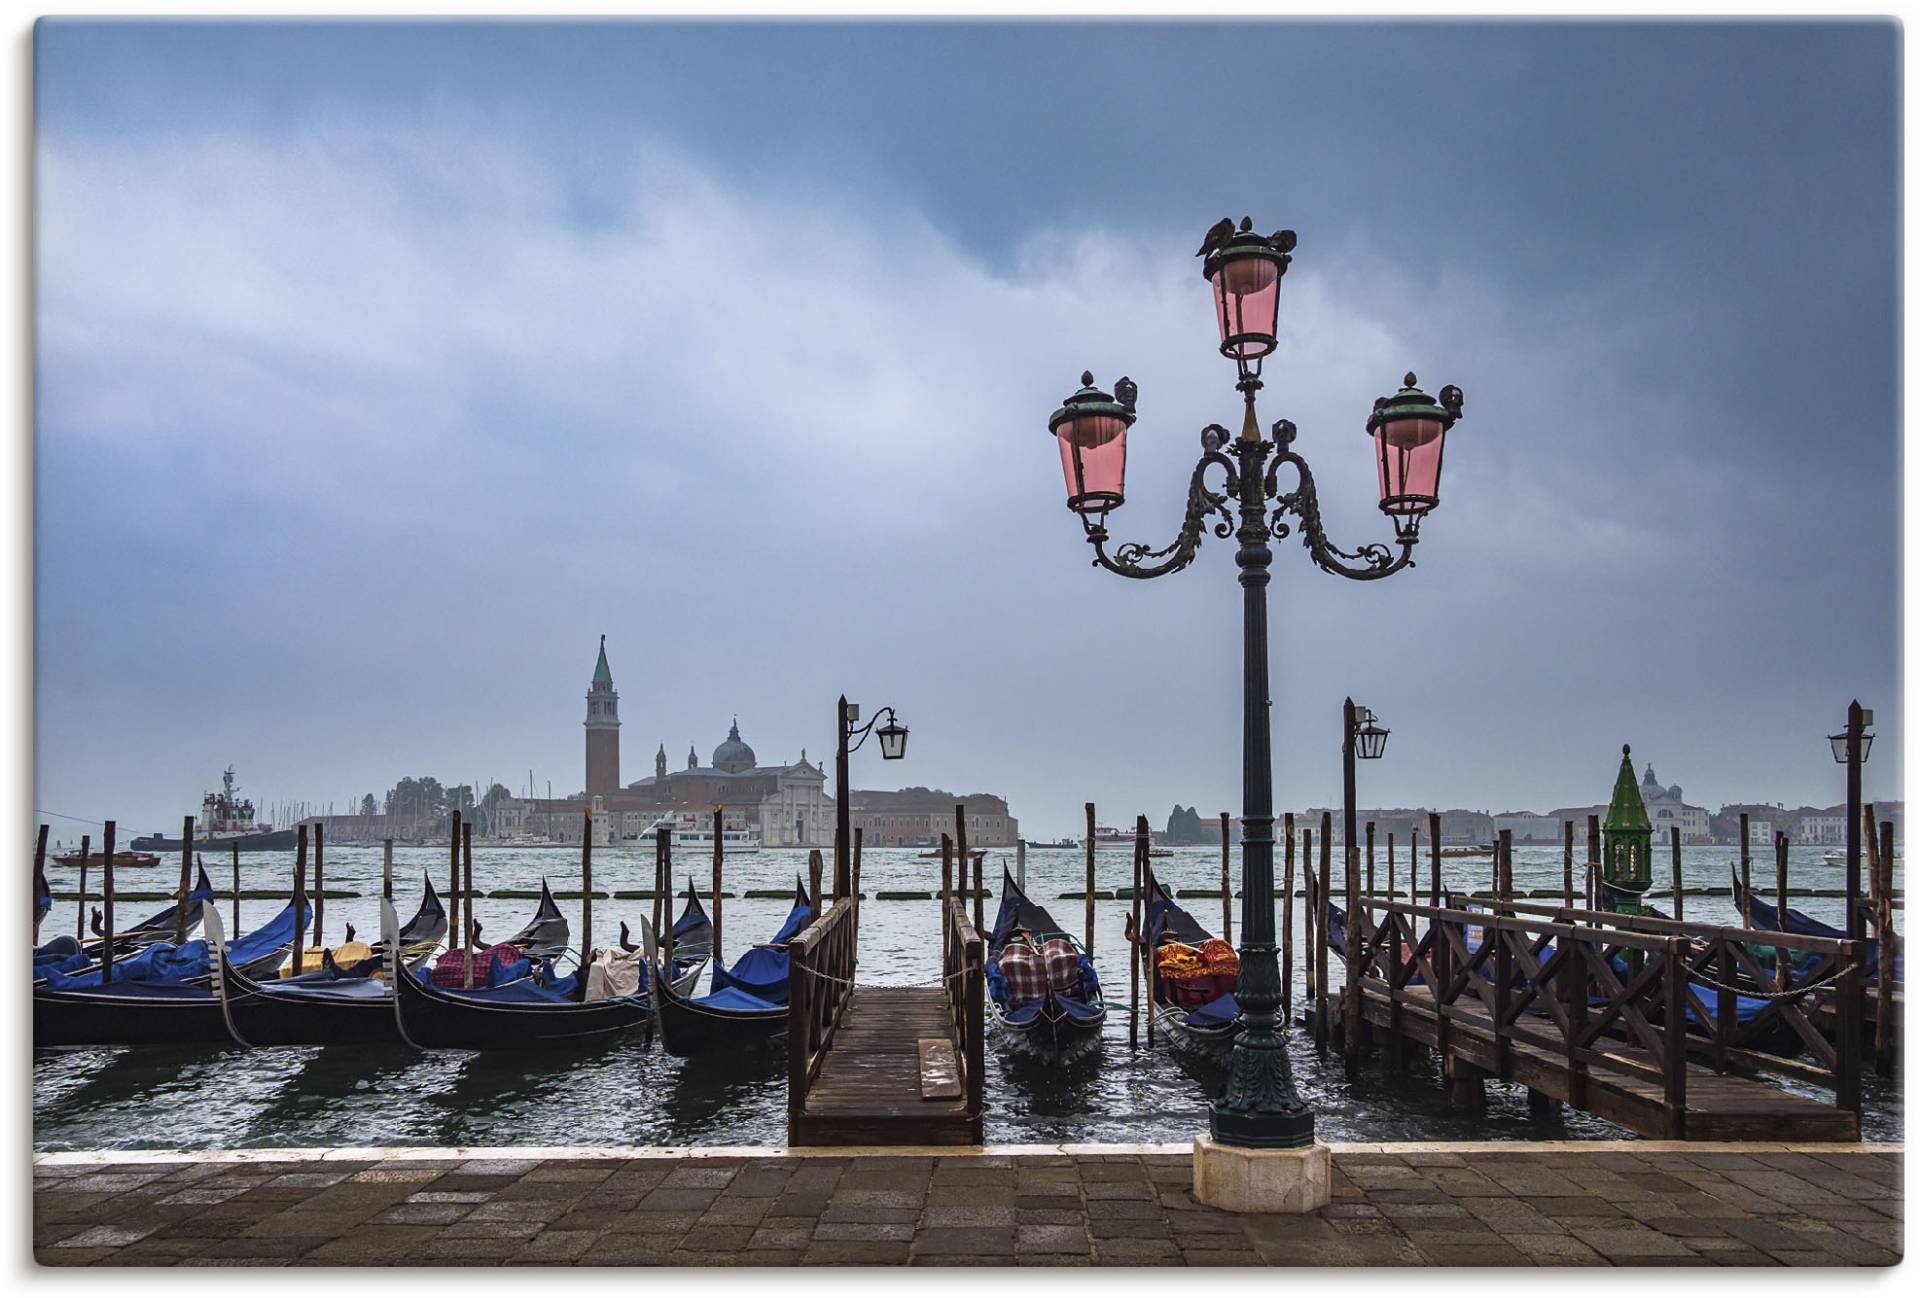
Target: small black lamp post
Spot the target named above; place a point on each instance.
(893, 746)
(1851, 747)
(1364, 738)
(1260, 1108)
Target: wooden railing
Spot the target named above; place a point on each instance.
(963, 970)
(820, 968)
(1605, 991)
(1721, 965)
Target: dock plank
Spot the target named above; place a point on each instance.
(868, 1090)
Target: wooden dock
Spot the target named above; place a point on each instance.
(1645, 1022)
(884, 1065)
(868, 1090)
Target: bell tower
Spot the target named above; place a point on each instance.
(603, 730)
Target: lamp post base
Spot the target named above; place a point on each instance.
(1261, 1180)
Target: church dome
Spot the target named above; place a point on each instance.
(734, 754)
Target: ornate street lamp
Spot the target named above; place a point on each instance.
(1260, 1108)
(1851, 747)
(893, 746)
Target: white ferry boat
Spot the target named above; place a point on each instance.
(699, 838)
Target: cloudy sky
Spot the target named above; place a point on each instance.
(382, 368)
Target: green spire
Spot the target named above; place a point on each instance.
(1626, 811)
(1626, 871)
(602, 674)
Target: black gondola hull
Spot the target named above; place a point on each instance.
(433, 1019)
(98, 1018)
(689, 1030)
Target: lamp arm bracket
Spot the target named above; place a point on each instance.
(1134, 559)
(859, 736)
(1369, 563)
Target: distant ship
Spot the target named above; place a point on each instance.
(225, 822)
(699, 838)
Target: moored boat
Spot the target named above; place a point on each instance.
(745, 1006)
(1197, 1005)
(1041, 984)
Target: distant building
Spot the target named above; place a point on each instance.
(1529, 828)
(785, 805)
(919, 816)
(1667, 809)
(1821, 831)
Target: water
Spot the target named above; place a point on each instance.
(633, 1095)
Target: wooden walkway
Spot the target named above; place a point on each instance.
(868, 1091)
(1632, 1093)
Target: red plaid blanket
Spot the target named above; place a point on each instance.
(1026, 976)
(1063, 965)
(450, 970)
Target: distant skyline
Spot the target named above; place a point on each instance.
(382, 367)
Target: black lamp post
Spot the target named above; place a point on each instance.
(1851, 747)
(1260, 1108)
(893, 746)
(1363, 738)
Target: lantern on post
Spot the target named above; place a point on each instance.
(1409, 431)
(1091, 427)
(1245, 270)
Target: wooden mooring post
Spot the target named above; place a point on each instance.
(980, 897)
(661, 834)
(320, 889)
(186, 881)
(1746, 877)
(236, 883)
(817, 863)
(1413, 865)
(455, 934)
(106, 901)
(1286, 922)
(1393, 889)
(1433, 858)
(1311, 926)
(1679, 875)
(946, 880)
(1321, 1029)
(1142, 849)
(1884, 1012)
(473, 929)
(1566, 863)
(1226, 874)
(1593, 859)
(1020, 864)
(1369, 858)
(719, 860)
(1780, 898)
(386, 869)
(299, 897)
(80, 919)
(586, 887)
(1090, 881)
(1136, 945)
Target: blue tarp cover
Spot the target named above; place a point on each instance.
(733, 998)
(165, 963)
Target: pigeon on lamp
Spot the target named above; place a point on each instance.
(1219, 234)
(1283, 240)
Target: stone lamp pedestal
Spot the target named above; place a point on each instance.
(1262, 1180)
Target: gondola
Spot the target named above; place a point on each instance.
(1056, 1013)
(692, 932)
(746, 1005)
(1201, 1011)
(173, 1006)
(526, 1013)
(1766, 917)
(327, 1007)
(545, 936)
(71, 956)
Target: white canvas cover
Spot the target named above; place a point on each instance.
(613, 973)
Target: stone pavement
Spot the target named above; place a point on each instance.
(1576, 1203)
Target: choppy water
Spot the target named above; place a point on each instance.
(630, 1094)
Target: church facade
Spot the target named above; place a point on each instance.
(785, 805)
